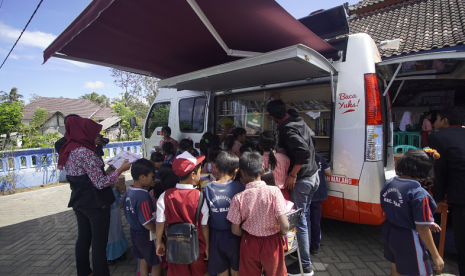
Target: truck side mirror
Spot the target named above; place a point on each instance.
(133, 122)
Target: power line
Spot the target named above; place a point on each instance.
(21, 32)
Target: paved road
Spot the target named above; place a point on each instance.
(38, 231)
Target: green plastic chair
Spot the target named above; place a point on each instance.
(404, 148)
(400, 138)
(413, 139)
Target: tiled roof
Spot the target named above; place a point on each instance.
(107, 123)
(364, 4)
(103, 113)
(420, 24)
(82, 107)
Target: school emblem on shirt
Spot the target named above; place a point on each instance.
(399, 201)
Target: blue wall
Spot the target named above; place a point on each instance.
(33, 167)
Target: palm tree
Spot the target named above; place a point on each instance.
(13, 96)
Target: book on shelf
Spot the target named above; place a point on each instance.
(322, 127)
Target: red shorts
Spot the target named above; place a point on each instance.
(197, 268)
(262, 252)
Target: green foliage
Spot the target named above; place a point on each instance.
(126, 133)
(32, 137)
(39, 117)
(138, 93)
(101, 100)
(11, 114)
(11, 97)
(41, 141)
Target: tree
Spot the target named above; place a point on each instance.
(125, 113)
(131, 84)
(13, 96)
(32, 137)
(11, 114)
(34, 97)
(101, 100)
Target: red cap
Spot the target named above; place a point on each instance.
(185, 163)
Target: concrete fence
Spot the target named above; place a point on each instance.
(33, 167)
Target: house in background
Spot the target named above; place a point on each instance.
(111, 127)
(59, 108)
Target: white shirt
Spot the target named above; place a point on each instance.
(161, 205)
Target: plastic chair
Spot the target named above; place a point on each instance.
(401, 139)
(294, 218)
(397, 138)
(404, 148)
(413, 139)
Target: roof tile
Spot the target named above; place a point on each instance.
(420, 24)
(82, 107)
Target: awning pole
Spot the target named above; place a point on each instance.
(392, 80)
(206, 22)
(398, 90)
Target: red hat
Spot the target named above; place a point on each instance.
(185, 163)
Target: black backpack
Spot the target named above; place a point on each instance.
(182, 240)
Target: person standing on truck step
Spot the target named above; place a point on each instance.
(166, 132)
(449, 172)
(302, 180)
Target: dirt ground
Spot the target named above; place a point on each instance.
(34, 188)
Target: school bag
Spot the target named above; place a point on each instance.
(182, 240)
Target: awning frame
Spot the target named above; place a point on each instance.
(302, 54)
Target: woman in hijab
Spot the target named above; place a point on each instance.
(91, 194)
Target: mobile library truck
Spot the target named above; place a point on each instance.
(219, 61)
(341, 101)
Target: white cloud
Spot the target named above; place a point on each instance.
(33, 39)
(95, 85)
(14, 56)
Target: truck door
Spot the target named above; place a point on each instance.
(192, 114)
(158, 116)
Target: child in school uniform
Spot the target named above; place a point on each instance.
(187, 144)
(210, 165)
(277, 162)
(117, 241)
(168, 152)
(238, 138)
(157, 159)
(138, 212)
(409, 213)
(258, 215)
(224, 245)
(179, 205)
(166, 132)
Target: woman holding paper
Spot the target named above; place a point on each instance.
(91, 194)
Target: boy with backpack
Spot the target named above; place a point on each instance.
(138, 212)
(258, 214)
(179, 205)
(224, 245)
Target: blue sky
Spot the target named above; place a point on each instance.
(57, 77)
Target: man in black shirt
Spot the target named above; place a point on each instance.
(449, 172)
(302, 180)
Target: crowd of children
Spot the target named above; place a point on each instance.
(242, 217)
